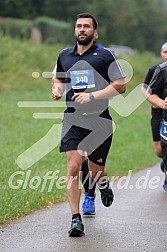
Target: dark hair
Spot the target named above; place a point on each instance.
(87, 15)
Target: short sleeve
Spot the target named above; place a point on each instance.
(59, 71)
(115, 70)
(156, 83)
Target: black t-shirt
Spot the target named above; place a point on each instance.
(158, 84)
(156, 113)
(89, 72)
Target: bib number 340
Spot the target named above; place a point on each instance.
(82, 79)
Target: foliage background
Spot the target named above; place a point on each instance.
(138, 24)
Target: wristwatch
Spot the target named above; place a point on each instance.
(91, 96)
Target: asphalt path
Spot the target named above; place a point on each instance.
(135, 222)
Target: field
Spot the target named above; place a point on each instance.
(23, 182)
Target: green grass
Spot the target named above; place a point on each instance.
(132, 147)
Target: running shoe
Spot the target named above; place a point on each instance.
(162, 165)
(88, 206)
(165, 184)
(107, 195)
(77, 228)
(83, 204)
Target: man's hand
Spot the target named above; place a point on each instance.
(57, 88)
(57, 93)
(81, 97)
(165, 104)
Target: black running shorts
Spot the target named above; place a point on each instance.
(87, 132)
(155, 126)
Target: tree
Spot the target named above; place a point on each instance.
(138, 24)
(26, 9)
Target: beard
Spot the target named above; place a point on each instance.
(85, 41)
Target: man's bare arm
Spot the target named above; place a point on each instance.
(113, 89)
(156, 101)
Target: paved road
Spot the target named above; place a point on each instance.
(135, 222)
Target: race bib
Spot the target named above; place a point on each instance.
(163, 130)
(82, 79)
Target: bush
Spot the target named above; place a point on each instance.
(54, 31)
(15, 28)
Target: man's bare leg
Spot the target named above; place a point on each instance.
(157, 148)
(74, 161)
